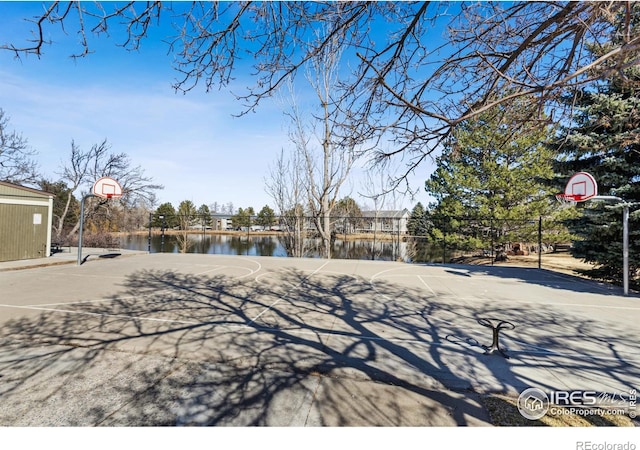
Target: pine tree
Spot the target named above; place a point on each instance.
(605, 141)
(417, 223)
(186, 214)
(490, 181)
(165, 216)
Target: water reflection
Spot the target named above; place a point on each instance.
(254, 245)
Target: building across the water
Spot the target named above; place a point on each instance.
(387, 221)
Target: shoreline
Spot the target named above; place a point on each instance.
(349, 237)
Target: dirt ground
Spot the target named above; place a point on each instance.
(560, 262)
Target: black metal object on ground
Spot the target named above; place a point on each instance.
(496, 325)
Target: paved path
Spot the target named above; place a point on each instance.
(165, 339)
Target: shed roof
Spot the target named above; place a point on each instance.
(15, 190)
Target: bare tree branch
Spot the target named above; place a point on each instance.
(432, 66)
(16, 162)
(84, 167)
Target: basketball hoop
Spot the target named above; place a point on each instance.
(581, 187)
(107, 188)
(567, 200)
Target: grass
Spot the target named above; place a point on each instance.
(503, 411)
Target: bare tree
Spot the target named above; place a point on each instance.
(324, 140)
(437, 65)
(84, 167)
(16, 163)
(286, 186)
(375, 188)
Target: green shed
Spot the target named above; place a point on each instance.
(25, 222)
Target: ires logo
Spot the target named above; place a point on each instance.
(534, 403)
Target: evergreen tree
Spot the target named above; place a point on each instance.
(495, 167)
(266, 217)
(168, 213)
(242, 219)
(347, 216)
(417, 223)
(186, 214)
(604, 140)
(204, 215)
(347, 207)
(491, 180)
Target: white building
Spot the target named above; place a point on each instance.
(387, 221)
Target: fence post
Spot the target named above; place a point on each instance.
(444, 242)
(149, 240)
(540, 242)
(492, 256)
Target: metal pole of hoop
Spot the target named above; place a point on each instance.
(81, 226)
(104, 187)
(625, 237)
(573, 199)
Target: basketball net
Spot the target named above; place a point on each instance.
(568, 200)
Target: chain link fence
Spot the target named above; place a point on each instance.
(386, 235)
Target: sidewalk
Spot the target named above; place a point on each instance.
(68, 255)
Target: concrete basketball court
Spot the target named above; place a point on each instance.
(168, 339)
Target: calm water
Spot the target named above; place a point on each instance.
(264, 246)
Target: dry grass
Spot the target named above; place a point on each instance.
(557, 262)
(503, 411)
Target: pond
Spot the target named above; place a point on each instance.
(260, 245)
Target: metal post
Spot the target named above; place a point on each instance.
(149, 240)
(625, 249)
(162, 228)
(81, 227)
(540, 242)
(625, 238)
(493, 245)
(444, 242)
(375, 229)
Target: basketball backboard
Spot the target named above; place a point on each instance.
(581, 187)
(107, 187)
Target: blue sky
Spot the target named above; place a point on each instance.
(190, 143)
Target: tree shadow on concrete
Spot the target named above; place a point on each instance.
(288, 349)
(541, 277)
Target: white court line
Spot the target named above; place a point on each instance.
(571, 355)
(428, 287)
(100, 300)
(210, 270)
(528, 301)
(634, 308)
(132, 297)
(375, 275)
(280, 299)
(115, 316)
(250, 271)
(88, 275)
(221, 267)
(79, 302)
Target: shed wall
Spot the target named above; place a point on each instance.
(23, 231)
